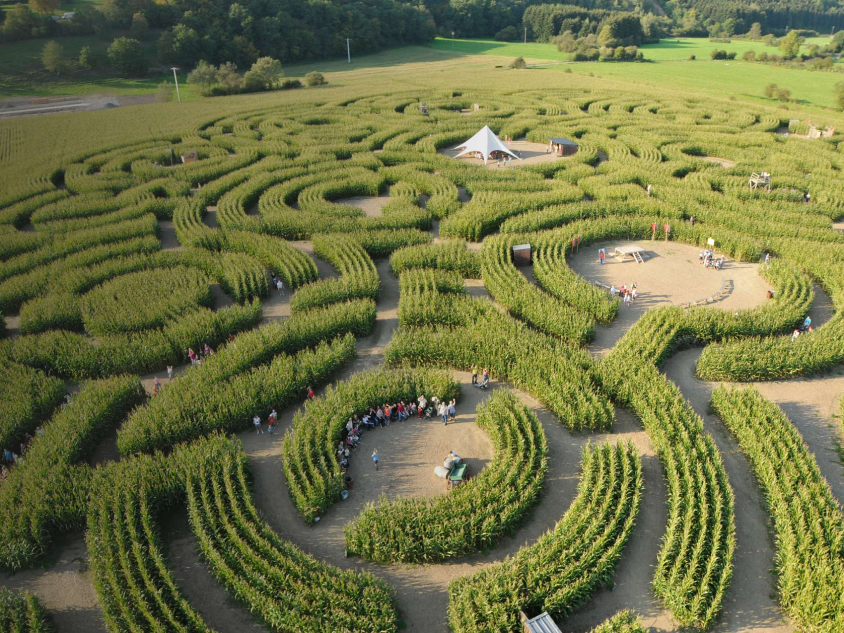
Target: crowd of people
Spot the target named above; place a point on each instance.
(707, 258)
(196, 358)
(627, 294)
(382, 415)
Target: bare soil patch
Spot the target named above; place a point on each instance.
(167, 234)
(670, 275)
(531, 154)
(371, 205)
(725, 163)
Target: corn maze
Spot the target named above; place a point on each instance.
(121, 261)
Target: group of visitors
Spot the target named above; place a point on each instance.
(10, 457)
(627, 294)
(806, 328)
(272, 423)
(381, 416)
(485, 381)
(707, 258)
(277, 284)
(196, 359)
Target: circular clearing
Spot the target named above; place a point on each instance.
(672, 274)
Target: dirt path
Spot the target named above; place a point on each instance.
(751, 601)
(822, 307)
(66, 589)
(210, 217)
(167, 233)
(633, 577)
(409, 451)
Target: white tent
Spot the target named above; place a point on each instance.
(485, 142)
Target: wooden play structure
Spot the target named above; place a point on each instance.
(762, 181)
(636, 253)
(817, 133)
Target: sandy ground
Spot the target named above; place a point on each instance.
(531, 154)
(726, 164)
(371, 205)
(670, 275)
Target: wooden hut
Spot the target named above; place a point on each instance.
(562, 146)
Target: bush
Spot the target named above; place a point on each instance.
(290, 84)
(88, 58)
(128, 57)
(314, 78)
(507, 34)
(692, 58)
(749, 56)
(165, 92)
(519, 62)
(52, 57)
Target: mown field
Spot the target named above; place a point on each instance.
(23, 74)
(116, 260)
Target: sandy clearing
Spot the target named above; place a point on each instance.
(371, 205)
(409, 451)
(725, 163)
(670, 275)
(531, 154)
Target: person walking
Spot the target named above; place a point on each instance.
(601, 256)
(257, 422)
(443, 411)
(375, 458)
(452, 409)
(474, 374)
(169, 372)
(280, 287)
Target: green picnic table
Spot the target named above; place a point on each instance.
(457, 475)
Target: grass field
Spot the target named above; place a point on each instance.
(115, 259)
(669, 68)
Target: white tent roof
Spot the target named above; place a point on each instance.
(484, 142)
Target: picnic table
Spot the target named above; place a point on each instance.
(457, 475)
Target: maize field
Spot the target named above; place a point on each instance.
(119, 261)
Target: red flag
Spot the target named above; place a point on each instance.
(653, 226)
(667, 228)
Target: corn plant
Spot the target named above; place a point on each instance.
(21, 611)
(46, 493)
(568, 563)
(807, 518)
